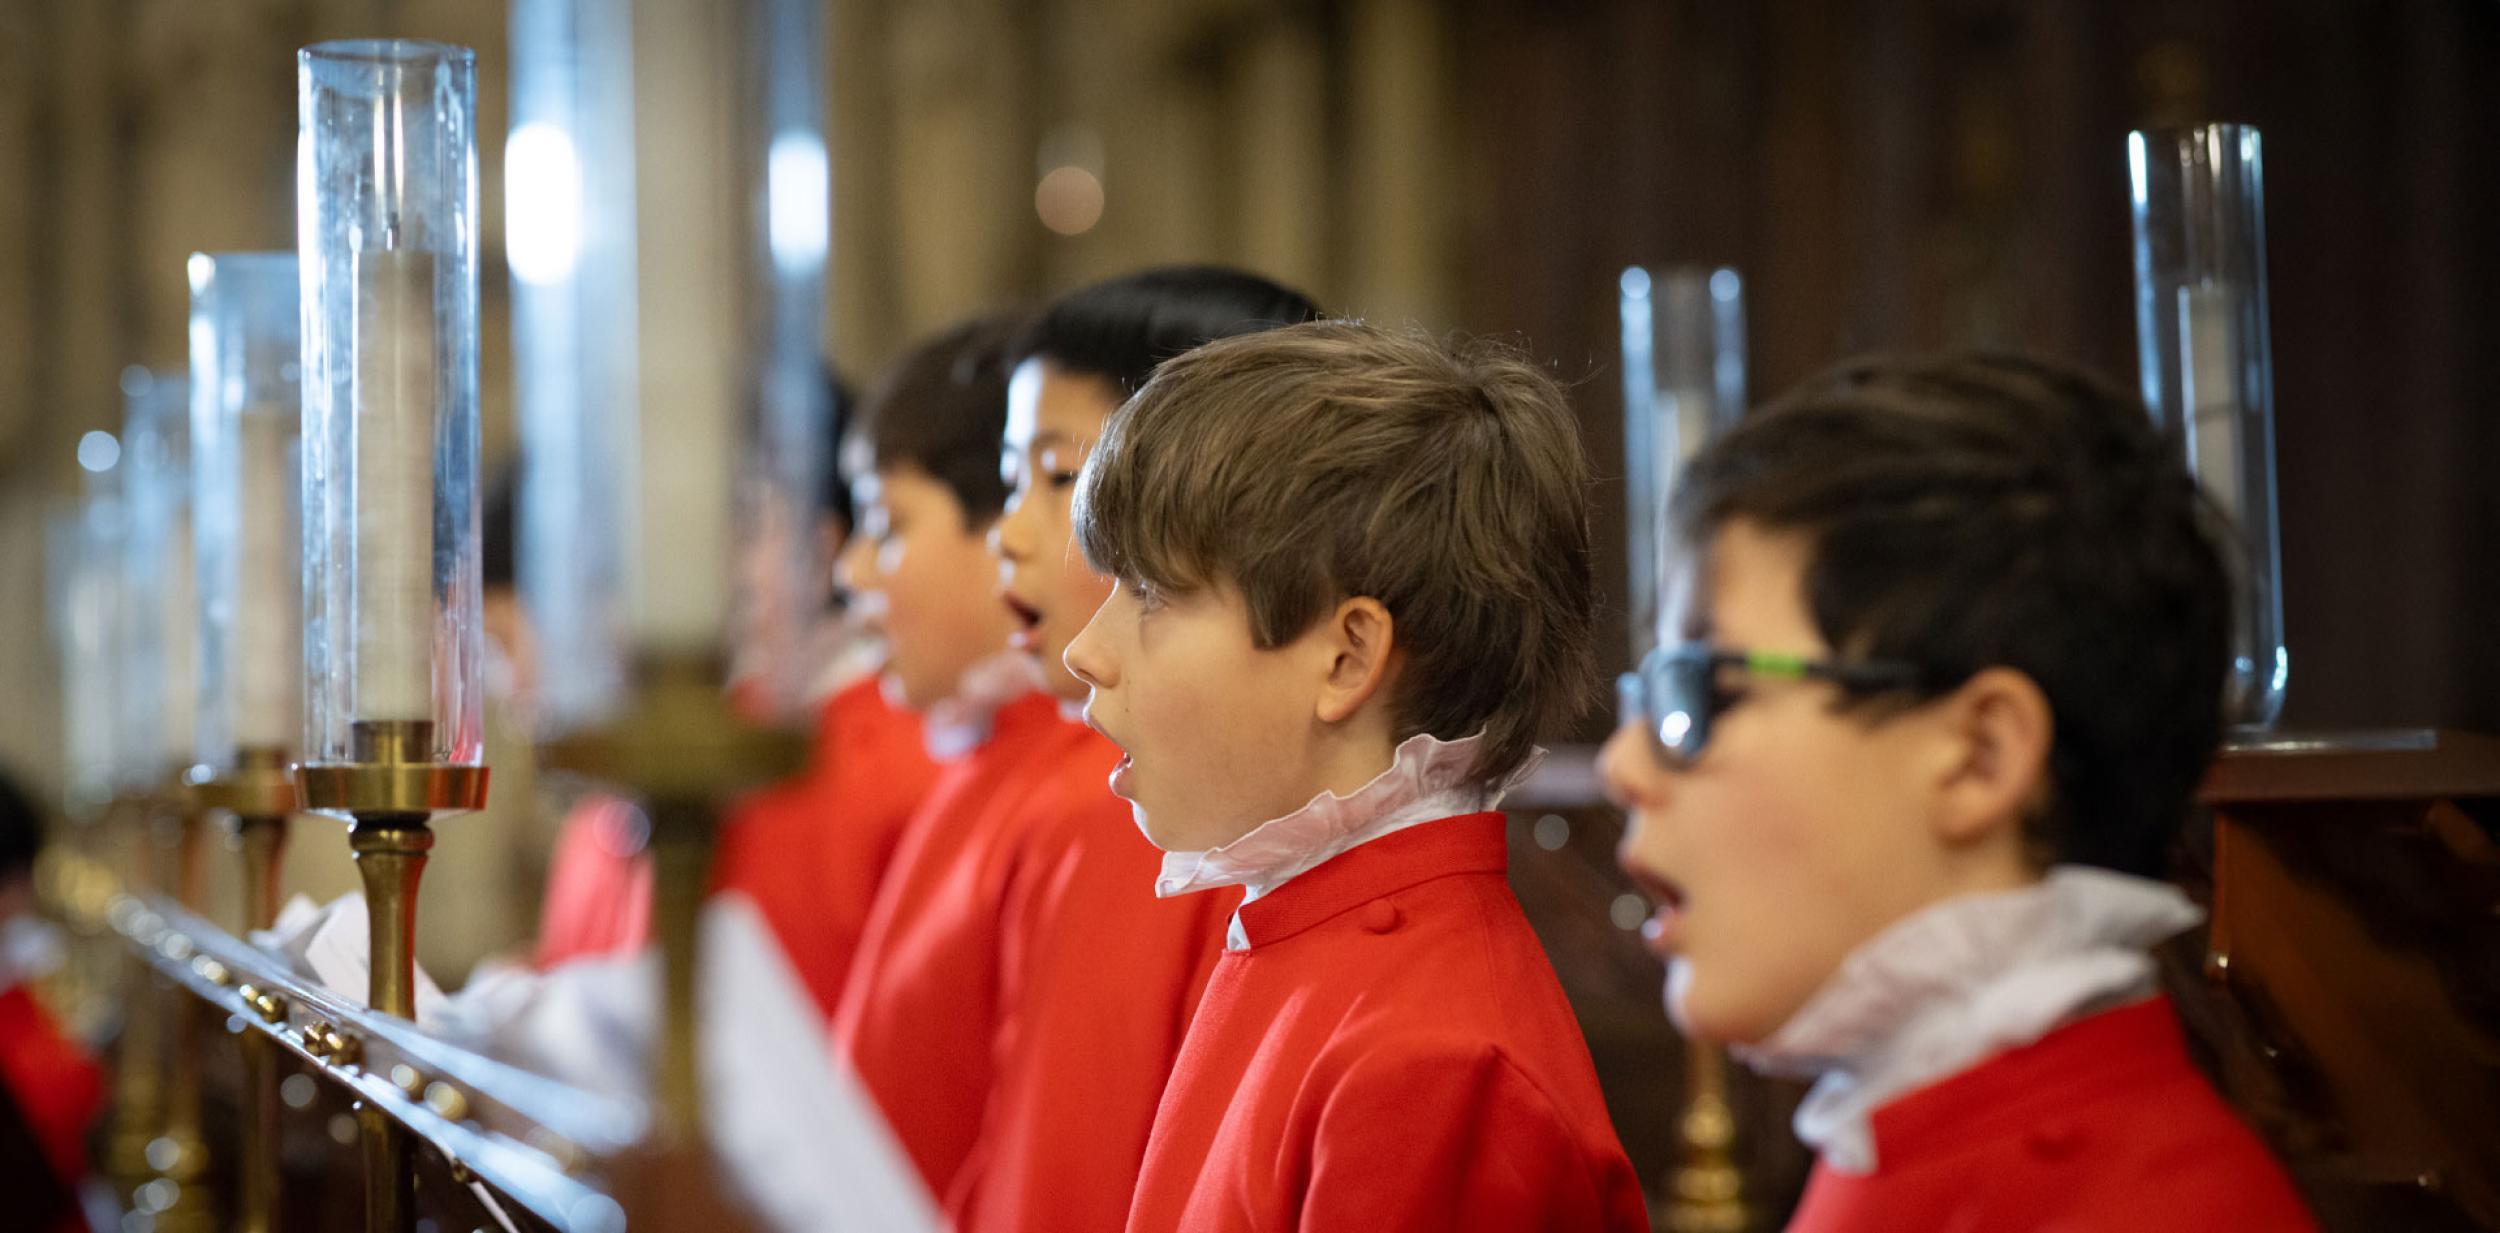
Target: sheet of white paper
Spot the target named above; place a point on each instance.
(795, 1133)
(330, 944)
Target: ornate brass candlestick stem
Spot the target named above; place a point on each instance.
(139, 1049)
(681, 749)
(1706, 1192)
(260, 793)
(390, 791)
(180, 1155)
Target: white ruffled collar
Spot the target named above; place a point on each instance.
(1956, 983)
(1427, 780)
(30, 949)
(961, 723)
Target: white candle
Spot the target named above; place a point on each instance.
(2209, 393)
(394, 485)
(180, 611)
(1687, 415)
(267, 639)
(688, 245)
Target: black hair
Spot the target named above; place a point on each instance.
(833, 491)
(21, 828)
(941, 409)
(1971, 511)
(499, 526)
(1120, 328)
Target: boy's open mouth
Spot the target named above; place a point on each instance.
(1663, 932)
(1027, 636)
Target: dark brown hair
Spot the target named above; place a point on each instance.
(1319, 462)
(941, 408)
(1974, 511)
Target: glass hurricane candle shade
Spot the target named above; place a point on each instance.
(672, 410)
(246, 419)
(82, 566)
(161, 695)
(386, 211)
(2207, 367)
(1683, 382)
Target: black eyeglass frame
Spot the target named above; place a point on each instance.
(1673, 694)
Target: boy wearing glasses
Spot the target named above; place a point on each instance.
(1351, 575)
(1953, 650)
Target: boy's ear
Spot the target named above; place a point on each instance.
(1359, 639)
(1995, 765)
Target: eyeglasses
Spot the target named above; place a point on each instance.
(1675, 695)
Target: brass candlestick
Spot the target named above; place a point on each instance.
(391, 791)
(260, 793)
(1706, 1192)
(681, 749)
(180, 1155)
(139, 1050)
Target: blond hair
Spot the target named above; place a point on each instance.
(1320, 462)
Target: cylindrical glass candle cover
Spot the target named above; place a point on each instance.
(785, 583)
(2208, 369)
(651, 310)
(786, 466)
(386, 216)
(569, 236)
(156, 468)
(246, 440)
(1683, 382)
(83, 561)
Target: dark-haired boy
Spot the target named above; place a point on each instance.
(1352, 576)
(1951, 662)
(50, 1088)
(1021, 993)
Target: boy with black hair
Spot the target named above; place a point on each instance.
(1953, 645)
(1017, 1004)
(50, 1089)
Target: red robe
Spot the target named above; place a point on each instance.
(809, 851)
(56, 1088)
(2102, 1126)
(1021, 993)
(1391, 1052)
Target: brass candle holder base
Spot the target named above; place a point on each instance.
(681, 749)
(139, 1046)
(259, 791)
(179, 1156)
(1705, 1194)
(390, 792)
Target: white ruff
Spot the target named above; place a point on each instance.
(1956, 983)
(1426, 781)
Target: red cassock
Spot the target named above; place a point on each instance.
(2102, 1126)
(1021, 993)
(1391, 1052)
(56, 1089)
(809, 852)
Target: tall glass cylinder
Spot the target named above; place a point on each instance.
(156, 469)
(785, 585)
(82, 551)
(569, 236)
(386, 217)
(667, 215)
(246, 433)
(2208, 369)
(1683, 382)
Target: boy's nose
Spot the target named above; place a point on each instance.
(854, 565)
(1086, 659)
(1634, 781)
(1007, 536)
